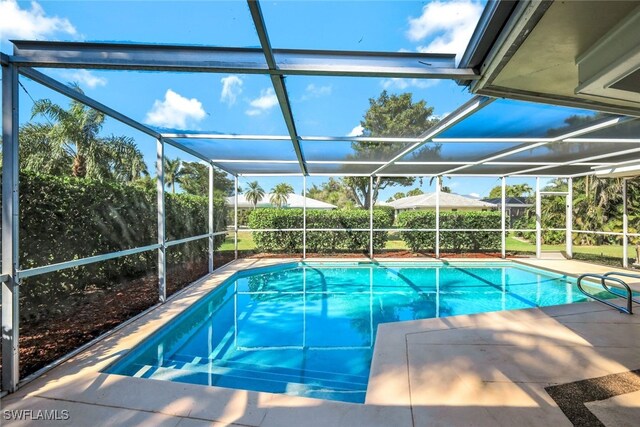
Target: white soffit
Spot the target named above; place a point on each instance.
(611, 67)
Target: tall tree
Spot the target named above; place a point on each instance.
(71, 138)
(389, 115)
(75, 129)
(40, 152)
(516, 190)
(127, 163)
(415, 192)
(280, 194)
(254, 193)
(195, 180)
(332, 191)
(398, 195)
(173, 173)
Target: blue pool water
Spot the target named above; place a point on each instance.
(309, 329)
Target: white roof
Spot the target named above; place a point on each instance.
(447, 201)
(293, 201)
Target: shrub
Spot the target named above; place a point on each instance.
(453, 241)
(318, 241)
(64, 218)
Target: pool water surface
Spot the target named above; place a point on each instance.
(308, 329)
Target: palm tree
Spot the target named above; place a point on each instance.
(71, 137)
(173, 173)
(519, 190)
(127, 161)
(39, 152)
(280, 194)
(254, 193)
(76, 131)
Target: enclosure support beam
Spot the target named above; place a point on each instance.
(625, 225)
(235, 218)
(210, 59)
(371, 217)
(211, 225)
(503, 208)
(10, 223)
(438, 189)
(304, 216)
(538, 220)
(569, 219)
(162, 238)
(277, 80)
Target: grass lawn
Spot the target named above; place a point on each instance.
(245, 242)
(614, 251)
(395, 242)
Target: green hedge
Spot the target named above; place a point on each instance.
(453, 241)
(62, 219)
(318, 241)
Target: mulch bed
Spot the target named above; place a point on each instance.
(571, 397)
(81, 318)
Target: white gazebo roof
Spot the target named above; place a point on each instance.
(447, 201)
(293, 201)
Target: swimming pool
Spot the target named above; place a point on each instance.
(308, 329)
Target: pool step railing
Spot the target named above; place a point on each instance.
(603, 278)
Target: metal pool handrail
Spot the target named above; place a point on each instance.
(603, 278)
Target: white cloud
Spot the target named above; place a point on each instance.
(476, 195)
(441, 116)
(85, 78)
(30, 23)
(253, 112)
(231, 89)
(448, 24)
(175, 111)
(356, 131)
(266, 101)
(402, 84)
(313, 91)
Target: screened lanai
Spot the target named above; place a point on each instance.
(499, 135)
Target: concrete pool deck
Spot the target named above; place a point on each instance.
(483, 369)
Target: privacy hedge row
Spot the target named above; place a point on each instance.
(62, 219)
(318, 241)
(454, 241)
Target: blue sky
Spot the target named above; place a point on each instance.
(246, 104)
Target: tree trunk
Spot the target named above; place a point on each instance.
(79, 168)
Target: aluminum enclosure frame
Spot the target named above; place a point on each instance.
(30, 54)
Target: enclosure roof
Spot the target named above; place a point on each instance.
(293, 201)
(489, 135)
(447, 201)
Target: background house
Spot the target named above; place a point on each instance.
(293, 201)
(448, 202)
(516, 207)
